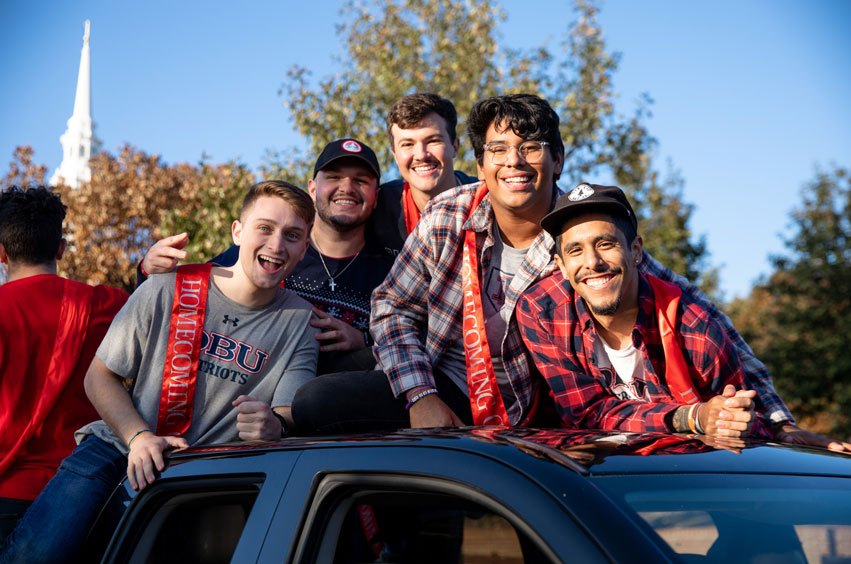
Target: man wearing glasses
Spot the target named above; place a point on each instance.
(444, 320)
(474, 251)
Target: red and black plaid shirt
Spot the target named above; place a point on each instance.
(559, 332)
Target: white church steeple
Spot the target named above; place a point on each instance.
(77, 139)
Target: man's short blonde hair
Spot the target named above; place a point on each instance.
(298, 199)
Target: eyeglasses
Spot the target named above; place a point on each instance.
(531, 151)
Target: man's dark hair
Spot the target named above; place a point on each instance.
(410, 110)
(623, 224)
(31, 224)
(528, 116)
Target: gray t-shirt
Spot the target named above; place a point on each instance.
(266, 352)
(497, 276)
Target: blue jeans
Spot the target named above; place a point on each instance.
(55, 526)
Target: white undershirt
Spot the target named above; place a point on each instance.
(628, 366)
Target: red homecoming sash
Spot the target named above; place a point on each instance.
(184, 348)
(74, 314)
(485, 399)
(667, 299)
(409, 207)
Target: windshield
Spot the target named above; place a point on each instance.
(742, 518)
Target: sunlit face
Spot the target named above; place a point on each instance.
(272, 239)
(517, 187)
(599, 263)
(424, 155)
(345, 193)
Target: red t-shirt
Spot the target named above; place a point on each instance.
(29, 328)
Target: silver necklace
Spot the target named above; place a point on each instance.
(331, 279)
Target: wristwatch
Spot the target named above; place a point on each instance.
(284, 431)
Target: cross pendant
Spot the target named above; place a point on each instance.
(332, 284)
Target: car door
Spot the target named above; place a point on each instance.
(418, 504)
(206, 511)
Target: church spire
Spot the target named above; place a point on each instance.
(77, 139)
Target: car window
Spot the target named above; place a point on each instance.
(752, 519)
(424, 529)
(371, 523)
(202, 527)
(187, 521)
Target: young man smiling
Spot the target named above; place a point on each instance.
(215, 355)
(421, 128)
(455, 286)
(436, 282)
(340, 269)
(621, 349)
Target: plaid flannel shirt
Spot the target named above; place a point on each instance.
(416, 311)
(756, 374)
(560, 333)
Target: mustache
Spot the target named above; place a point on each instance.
(615, 270)
(345, 194)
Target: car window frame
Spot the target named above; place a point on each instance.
(525, 501)
(270, 471)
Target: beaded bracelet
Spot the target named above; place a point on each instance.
(133, 438)
(420, 396)
(142, 269)
(697, 424)
(415, 391)
(691, 418)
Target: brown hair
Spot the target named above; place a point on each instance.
(410, 110)
(297, 198)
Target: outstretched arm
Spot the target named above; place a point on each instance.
(162, 257)
(792, 434)
(113, 403)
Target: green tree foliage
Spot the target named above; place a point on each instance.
(393, 49)
(798, 320)
(453, 48)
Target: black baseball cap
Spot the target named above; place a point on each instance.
(587, 198)
(347, 148)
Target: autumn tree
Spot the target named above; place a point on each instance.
(212, 197)
(453, 48)
(798, 320)
(22, 170)
(132, 200)
(112, 220)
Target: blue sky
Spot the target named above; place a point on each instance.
(749, 96)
